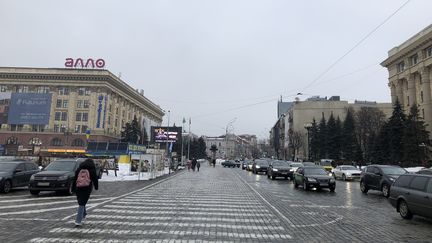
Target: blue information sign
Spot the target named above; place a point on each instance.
(29, 108)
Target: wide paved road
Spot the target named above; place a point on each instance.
(214, 205)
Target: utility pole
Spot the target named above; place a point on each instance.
(189, 138)
(181, 156)
(167, 149)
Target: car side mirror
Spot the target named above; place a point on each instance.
(378, 174)
(18, 170)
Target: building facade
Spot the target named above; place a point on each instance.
(300, 116)
(86, 104)
(232, 146)
(409, 67)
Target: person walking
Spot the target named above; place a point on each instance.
(198, 165)
(83, 183)
(194, 163)
(189, 164)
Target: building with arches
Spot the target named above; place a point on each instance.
(85, 104)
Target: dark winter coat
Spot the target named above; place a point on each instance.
(83, 193)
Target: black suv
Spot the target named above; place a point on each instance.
(57, 176)
(412, 194)
(260, 165)
(313, 176)
(278, 168)
(380, 177)
(15, 174)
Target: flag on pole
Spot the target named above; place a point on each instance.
(189, 121)
(184, 120)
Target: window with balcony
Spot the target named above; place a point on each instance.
(60, 116)
(38, 128)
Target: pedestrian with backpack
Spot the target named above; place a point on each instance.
(83, 183)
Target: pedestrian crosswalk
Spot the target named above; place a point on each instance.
(190, 207)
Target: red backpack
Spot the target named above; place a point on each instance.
(83, 179)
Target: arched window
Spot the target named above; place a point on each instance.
(35, 141)
(78, 142)
(12, 140)
(56, 142)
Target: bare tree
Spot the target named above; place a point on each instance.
(295, 141)
(369, 121)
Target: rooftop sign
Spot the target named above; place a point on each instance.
(84, 63)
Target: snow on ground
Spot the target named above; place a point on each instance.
(133, 176)
(414, 169)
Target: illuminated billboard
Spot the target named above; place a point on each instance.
(166, 134)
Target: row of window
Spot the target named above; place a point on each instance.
(54, 142)
(79, 116)
(82, 91)
(62, 103)
(62, 128)
(419, 183)
(413, 60)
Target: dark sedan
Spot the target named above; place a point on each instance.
(411, 194)
(15, 174)
(313, 177)
(57, 176)
(278, 168)
(260, 165)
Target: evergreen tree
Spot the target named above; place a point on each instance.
(132, 132)
(333, 149)
(349, 141)
(395, 130)
(415, 139)
(380, 148)
(338, 138)
(202, 153)
(314, 141)
(322, 138)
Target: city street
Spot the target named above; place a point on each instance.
(213, 205)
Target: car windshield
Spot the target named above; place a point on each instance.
(262, 162)
(348, 168)
(393, 170)
(315, 171)
(308, 163)
(296, 165)
(279, 163)
(61, 166)
(325, 163)
(7, 166)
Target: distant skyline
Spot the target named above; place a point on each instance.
(218, 61)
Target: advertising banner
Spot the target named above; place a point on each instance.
(166, 134)
(29, 108)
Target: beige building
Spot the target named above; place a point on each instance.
(83, 101)
(409, 67)
(302, 113)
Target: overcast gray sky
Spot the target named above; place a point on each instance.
(212, 60)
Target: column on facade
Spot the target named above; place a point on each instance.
(393, 91)
(427, 102)
(399, 91)
(411, 91)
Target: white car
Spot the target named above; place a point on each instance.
(346, 172)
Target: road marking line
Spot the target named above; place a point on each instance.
(321, 206)
(165, 212)
(206, 205)
(129, 193)
(43, 198)
(187, 201)
(30, 219)
(194, 219)
(48, 203)
(267, 202)
(170, 232)
(182, 224)
(170, 207)
(69, 240)
(43, 210)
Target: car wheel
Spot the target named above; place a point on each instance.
(404, 210)
(69, 190)
(268, 176)
(343, 177)
(273, 177)
(286, 177)
(332, 188)
(363, 187)
(305, 186)
(386, 190)
(34, 193)
(295, 184)
(6, 186)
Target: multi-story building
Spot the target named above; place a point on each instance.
(232, 146)
(300, 116)
(409, 66)
(81, 104)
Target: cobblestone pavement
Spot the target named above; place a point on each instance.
(214, 205)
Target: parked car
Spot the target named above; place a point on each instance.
(278, 168)
(293, 168)
(346, 172)
(411, 194)
(260, 165)
(380, 177)
(15, 173)
(313, 177)
(230, 163)
(327, 164)
(249, 165)
(308, 163)
(57, 176)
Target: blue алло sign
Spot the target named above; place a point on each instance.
(29, 108)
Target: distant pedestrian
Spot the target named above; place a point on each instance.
(198, 165)
(214, 162)
(85, 179)
(189, 164)
(194, 163)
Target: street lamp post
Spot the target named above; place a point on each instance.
(167, 149)
(226, 136)
(308, 126)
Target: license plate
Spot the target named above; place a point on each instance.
(323, 184)
(284, 173)
(43, 183)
